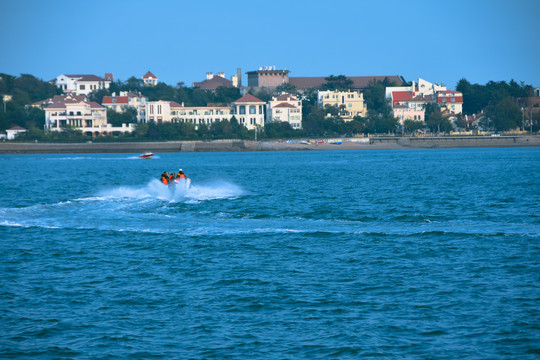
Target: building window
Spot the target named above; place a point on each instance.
(242, 110)
(252, 110)
(81, 87)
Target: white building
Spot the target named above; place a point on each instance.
(89, 117)
(150, 79)
(80, 84)
(450, 100)
(422, 88)
(14, 131)
(125, 100)
(287, 108)
(408, 102)
(248, 110)
(160, 111)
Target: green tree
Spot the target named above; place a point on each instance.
(340, 82)
(375, 98)
(98, 95)
(504, 115)
(412, 126)
(434, 117)
(129, 116)
(280, 129)
(226, 94)
(286, 88)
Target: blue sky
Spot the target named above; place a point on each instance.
(179, 41)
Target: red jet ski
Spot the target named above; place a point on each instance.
(146, 155)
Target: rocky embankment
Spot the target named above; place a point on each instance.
(241, 145)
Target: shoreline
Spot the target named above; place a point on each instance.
(374, 143)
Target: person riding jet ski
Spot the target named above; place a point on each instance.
(180, 175)
(165, 178)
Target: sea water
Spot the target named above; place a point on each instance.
(272, 255)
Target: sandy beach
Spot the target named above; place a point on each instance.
(243, 145)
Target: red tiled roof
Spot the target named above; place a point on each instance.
(213, 83)
(94, 105)
(248, 98)
(458, 99)
(119, 100)
(17, 128)
(285, 97)
(149, 75)
(285, 105)
(61, 98)
(398, 96)
(174, 104)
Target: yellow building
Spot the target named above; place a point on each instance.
(349, 103)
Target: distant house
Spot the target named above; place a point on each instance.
(249, 111)
(160, 111)
(14, 131)
(81, 84)
(150, 79)
(450, 100)
(212, 82)
(349, 103)
(88, 117)
(421, 87)
(408, 102)
(285, 108)
(124, 100)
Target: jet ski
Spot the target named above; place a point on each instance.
(146, 155)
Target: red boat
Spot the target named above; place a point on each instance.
(146, 155)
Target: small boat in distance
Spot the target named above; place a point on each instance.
(146, 155)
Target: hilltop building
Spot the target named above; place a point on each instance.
(81, 84)
(267, 77)
(349, 103)
(213, 81)
(285, 108)
(150, 79)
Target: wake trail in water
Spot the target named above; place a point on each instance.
(182, 192)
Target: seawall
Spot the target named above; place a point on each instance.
(241, 145)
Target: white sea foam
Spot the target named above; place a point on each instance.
(180, 193)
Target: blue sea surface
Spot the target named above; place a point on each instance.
(421, 254)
